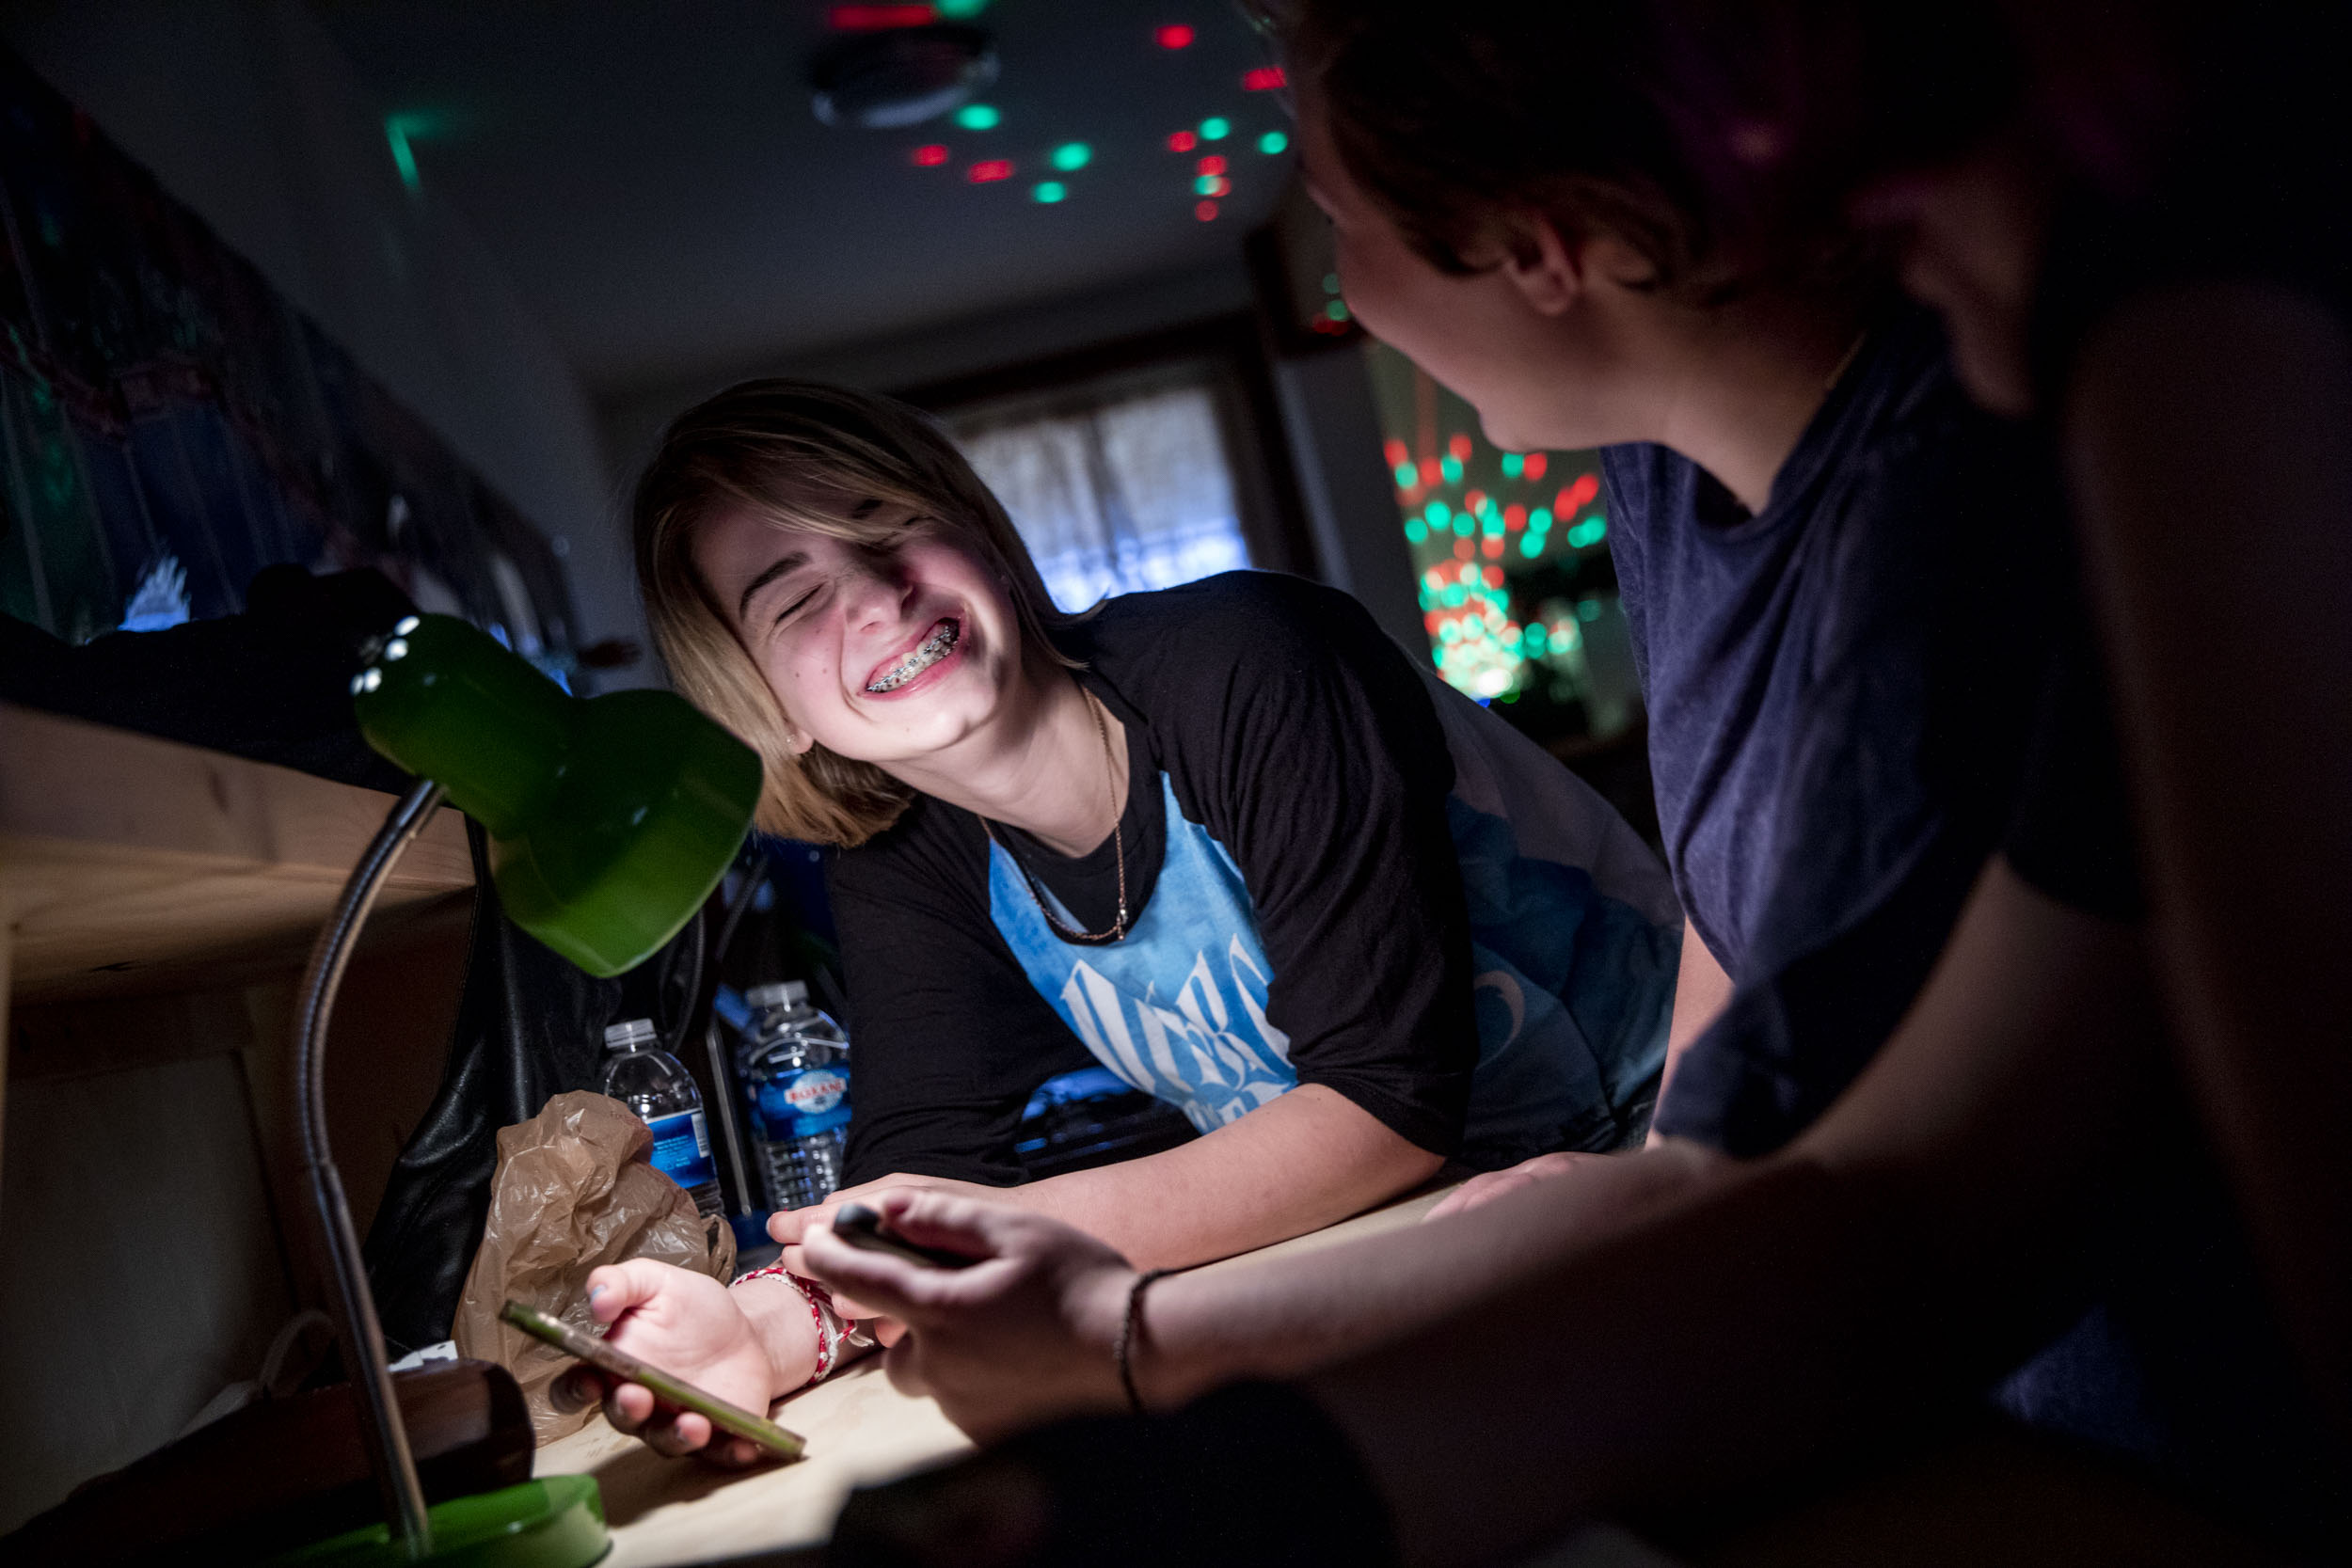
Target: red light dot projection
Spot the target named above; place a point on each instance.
(1210, 165)
(1266, 78)
(1535, 465)
(1458, 446)
(867, 19)
(1494, 577)
(1181, 141)
(1515, 516)
(1177, 36)
(1475, 502)
(1581, 490)
(995, 169)
(1204, 211)
(1430, 473)
(1492, 548)
(1461, 550)
(1396, 452)
(928, 157)
(1222, 187)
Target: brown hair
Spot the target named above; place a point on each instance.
(1454, 120)
(806, 456)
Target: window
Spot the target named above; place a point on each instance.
(1124, 485)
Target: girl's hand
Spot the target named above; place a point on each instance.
(747, 1346)
(1022, 1337)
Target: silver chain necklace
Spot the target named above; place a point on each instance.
(1118, 849)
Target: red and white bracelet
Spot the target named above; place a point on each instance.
(833, 1334)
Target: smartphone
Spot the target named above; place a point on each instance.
(861, 1225)
(676, 1390)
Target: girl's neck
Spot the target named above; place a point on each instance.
(1039, 766)
(1747, 380)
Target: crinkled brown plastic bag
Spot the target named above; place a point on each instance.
(574, 1191)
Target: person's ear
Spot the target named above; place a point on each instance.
(798, 743)
(1549, 272)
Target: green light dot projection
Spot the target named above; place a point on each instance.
(401, 134)
(1212, 148)
(1203, 183)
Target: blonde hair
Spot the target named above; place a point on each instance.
(806, 457)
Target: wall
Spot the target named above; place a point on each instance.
(1334, 431)
(633, 418)
(246, 111)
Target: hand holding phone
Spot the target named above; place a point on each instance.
(676, 1390)
(861, 1225)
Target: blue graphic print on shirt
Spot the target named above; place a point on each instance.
(1178, 1008)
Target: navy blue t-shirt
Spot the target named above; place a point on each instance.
(1840, 689)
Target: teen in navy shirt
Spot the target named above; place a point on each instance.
(1839, 688)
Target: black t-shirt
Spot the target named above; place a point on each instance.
(1299, 829)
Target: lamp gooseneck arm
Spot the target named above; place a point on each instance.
(395, 1465)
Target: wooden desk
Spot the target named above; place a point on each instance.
(1992, 1492)
(859, 1431)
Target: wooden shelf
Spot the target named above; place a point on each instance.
(158, 904)
(132, 865)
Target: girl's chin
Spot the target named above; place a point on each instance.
(931, 714)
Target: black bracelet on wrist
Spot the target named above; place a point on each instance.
(1122, 1352)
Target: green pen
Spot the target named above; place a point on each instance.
(605, 1359)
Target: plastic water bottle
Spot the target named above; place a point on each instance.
(652, 1083)
(796, 1076)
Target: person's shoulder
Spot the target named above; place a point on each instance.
(1224, 599)
(1266, 621)
(930, 845)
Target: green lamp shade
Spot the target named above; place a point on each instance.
(610, 819)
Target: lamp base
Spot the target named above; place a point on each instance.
(555, 1522)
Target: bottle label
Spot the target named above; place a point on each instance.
(801, 1104)
(681, 1149)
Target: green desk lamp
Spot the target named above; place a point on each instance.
(610, 821)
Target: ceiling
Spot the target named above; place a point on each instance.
(651, 178)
